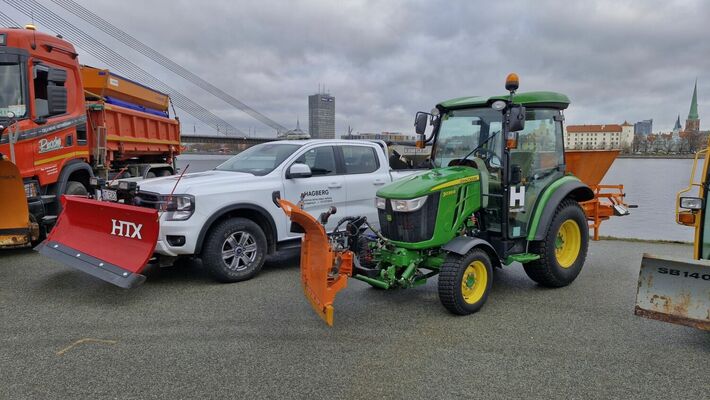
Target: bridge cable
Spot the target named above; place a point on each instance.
(114, 60)
(159, 58)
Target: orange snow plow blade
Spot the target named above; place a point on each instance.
(15, 226)
(110, 241)
(324, 272)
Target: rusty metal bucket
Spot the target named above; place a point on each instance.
(324, 272)
(590, 166)
(110, 241)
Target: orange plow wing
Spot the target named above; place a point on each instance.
(324, 272)
(110, 241)
(15, 227)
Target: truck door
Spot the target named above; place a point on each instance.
(325, 188)
(364, 175)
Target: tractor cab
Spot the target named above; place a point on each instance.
(523, 161)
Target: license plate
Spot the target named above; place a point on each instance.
(109, 195)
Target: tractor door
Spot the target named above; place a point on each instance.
(538, 160)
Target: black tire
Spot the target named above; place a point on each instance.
(150, 175)
(547, 270)
(227, 236)
(75, 188)
(451, 281)
(165, 172)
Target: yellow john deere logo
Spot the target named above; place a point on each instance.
(389, 218)
(455, 182)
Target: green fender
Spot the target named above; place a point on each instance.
(567, 186)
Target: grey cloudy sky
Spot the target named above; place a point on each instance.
(384, 60)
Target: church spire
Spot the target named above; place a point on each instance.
(693, 114)
(677, 126)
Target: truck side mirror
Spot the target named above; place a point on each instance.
(299, 170)
(517, 118)
(420, 122)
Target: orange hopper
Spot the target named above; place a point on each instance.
(590, 166)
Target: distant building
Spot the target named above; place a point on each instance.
(692, 124)
(599, 137)
(386, 136)
(294, 133)
(321, 116)
(644, 127)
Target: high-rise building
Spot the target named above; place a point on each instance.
(321, 116)
(644, 127)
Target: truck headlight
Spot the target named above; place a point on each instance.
(179, 207)
(31, 189)
(408, 205)
(691, 203)
(380, 203)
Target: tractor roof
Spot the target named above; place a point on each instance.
(532, 99)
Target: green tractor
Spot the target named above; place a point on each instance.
(497, 193)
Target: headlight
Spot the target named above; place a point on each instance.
(179, 207)
(691, 203)
(408, 205)
(380, 203)
(31, 189)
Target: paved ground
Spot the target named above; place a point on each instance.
(183, 336)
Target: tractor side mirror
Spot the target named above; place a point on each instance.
(517, 118)
(420, 123)
(299, 170)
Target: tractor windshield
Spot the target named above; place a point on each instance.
(463, 130)
(12, 96)
(260, 159)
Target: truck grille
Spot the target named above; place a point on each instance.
(148, 200)
(410, 227)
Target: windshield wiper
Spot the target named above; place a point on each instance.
(480, 145)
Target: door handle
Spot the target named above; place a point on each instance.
(378, 182)
(335, 185)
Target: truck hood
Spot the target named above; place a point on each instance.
(430, 181)
(191, 183)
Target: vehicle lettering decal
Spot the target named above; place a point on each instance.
(316, 197)
(46, 129)
(126, 229)
(517, 198)
(46, 145)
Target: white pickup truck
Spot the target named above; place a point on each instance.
(226, 216)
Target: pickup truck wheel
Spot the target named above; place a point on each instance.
(235, 250)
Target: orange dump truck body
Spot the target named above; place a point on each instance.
(104, 83)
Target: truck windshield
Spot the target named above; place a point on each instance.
(12, 96)
(260, 159)
(463, 130)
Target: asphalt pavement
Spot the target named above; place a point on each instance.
(64, 334)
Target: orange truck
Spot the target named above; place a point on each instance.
(65, 125)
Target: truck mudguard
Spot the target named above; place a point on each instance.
(567, 186)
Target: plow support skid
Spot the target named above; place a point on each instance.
(319, 278)
(110, 241)
(674, 290)
(15, 227)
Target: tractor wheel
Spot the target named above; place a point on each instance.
(564, 248)
(464, 281)
(75, 188)
(235, 250)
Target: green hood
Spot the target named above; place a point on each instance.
(430, 181)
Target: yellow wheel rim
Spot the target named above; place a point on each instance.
(568, 243)
(474, 282)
